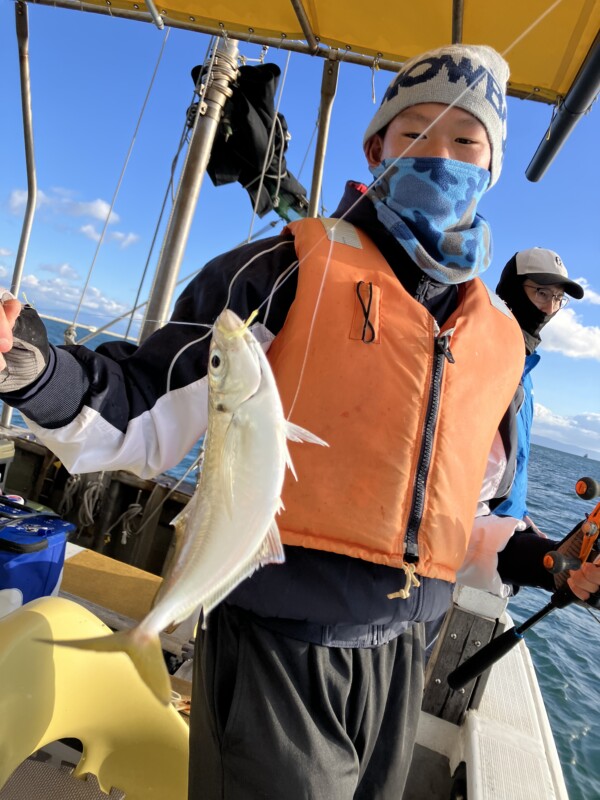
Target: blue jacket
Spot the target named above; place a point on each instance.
(515, 504)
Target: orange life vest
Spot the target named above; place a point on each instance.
(363, 373)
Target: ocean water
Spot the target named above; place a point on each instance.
(565, 646)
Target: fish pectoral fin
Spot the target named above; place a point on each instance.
(227, 466)
(297, 434)
(181, 518)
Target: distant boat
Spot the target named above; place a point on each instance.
(585, 455)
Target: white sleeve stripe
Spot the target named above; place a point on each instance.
(155, 441)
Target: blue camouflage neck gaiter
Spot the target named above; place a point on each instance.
(429, 206)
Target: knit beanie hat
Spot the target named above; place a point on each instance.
(471, 77)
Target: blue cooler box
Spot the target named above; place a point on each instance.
(32, 549)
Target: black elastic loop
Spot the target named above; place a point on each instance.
(366, 311)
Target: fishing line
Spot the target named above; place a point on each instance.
(281, 280)
(229, 288)
(168, 193)
(361, 199)
(122, 175)
(270, 143)
(291, 269)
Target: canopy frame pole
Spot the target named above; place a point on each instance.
(156, 17)
(249, 36)
(329, 81)
(577, 102)
(22, 28)
(223, 73)
(458, 10)
(307, 30)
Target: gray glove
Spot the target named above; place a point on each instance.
(29, 355)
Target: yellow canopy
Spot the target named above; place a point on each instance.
(545, 41)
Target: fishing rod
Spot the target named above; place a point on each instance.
(576, 549)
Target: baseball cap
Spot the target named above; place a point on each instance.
(544, 267)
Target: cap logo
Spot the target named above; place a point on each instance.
(558, 261)
(429, 68)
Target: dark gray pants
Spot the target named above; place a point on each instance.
(279, 719)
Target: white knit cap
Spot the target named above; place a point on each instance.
(472, 77)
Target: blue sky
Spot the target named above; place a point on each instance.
(90, 75)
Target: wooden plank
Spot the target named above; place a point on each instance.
(463, 634)
(109, 583)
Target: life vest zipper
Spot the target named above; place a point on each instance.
(441, 354)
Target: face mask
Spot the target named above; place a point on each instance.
(429, 206)
(530, 318)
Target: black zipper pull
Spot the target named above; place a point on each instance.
(442, 344)
(422, 287)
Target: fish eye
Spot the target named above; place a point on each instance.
(215, 361)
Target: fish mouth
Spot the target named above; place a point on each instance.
(230, 326)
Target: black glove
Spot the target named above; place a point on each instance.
(570, 547)
(29, 355)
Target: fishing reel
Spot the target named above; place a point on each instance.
(578, 547)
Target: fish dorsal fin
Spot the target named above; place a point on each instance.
(297, 434)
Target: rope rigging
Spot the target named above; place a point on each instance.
(69, 338)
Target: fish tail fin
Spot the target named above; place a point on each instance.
(143, 649)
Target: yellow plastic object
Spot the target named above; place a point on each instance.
(48, 692)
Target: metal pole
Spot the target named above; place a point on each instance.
(308, 32)
(577, 102)
(282, 43)
(458, 11)
(331, 69)
(223, 73)
(22, 26)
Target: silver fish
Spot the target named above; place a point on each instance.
(228, 528)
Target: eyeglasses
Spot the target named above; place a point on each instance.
(546, 296)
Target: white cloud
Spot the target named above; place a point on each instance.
(63, 270)
(581, 430)
(61, 201)
(590, 295)
(4, 252)
(97, 209)
(565, 334)
(18, 200)
(60, 294)
(90, 231)
(3, 271)
(124, 239)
